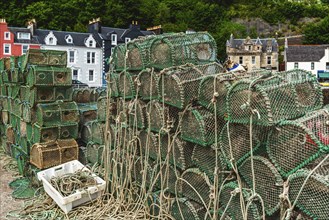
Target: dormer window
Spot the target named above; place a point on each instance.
(51, 39)
(69, 39)
(127, 39)
(90, 41)
(113, 39)
(7, 35)
(23, 36)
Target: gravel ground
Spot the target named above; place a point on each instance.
(7, 203)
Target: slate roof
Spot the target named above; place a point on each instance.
(305, 53)
(15, 30)
(121, 33)
(236, 43)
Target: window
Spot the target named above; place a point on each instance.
(312, 66)
(127, 39)
(327, 65)
(258, 48)
(91, 75)
(269, 60)
(69, 40)
(75, 74)
(24, 48)
(249, 48)
(240, 60)
(112, 50)
(296, 65)
(7, 35)
(22, 35)
(91, 43)
(51, 40)
(7, 49)
(71, 56)
(114, 39)
(253, 59)
(91, 57)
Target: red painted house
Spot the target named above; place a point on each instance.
(16, 41)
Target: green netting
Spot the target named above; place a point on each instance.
(127, 84)
(195, 183)
(44, 155)
(237, 148)
(213, 89)
(178, 86)
(325, 92)
(184, 208)
(93, 131)
(22, 188)
(168, 177)
(143, 170)
(6, 104)
(13, 90)
(102, 106)
(45, 58)
(25, 93)
(28, 113)
(147, 82)
(285, 95)
(52, 133)
(149, 143)
(21, 157)
(205, 160)
(137, 114)
(16, 107)
(57, 113)
(178, 49)
(48, 76)
(49, 94)
(198, 126)
(94, 153)
(294, 144)
(88, 112)
(230, 199)
(314, 198)
(113, 84)
(268, 182)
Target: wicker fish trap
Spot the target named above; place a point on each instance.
(178, 152)
(48, 76)
(147, 82)
(314, 197)
(137, 114)
(167, 176)
(52, 133)
(149, 144)
(45, 58)
(230, 199)
(178, 49)
(196, 185)
(268, 181)
(50, 114)
(54, 153)
(127, 84)
(294, 144)
(272, 99)
(94, 153)
(113, 84)
(234, 141)
(198, 126)
(178, 86)
(184, 208)
(205, 159)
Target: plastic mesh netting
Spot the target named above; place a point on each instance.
(45, 58)
(137, 114)
(268, 182)
(94, 152)
(127, 84)
(168, 177)
(148, 84)
(184, 208)
(45, 134)
(49, 76)
(294, 144)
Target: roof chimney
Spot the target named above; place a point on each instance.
(2, 20)
(134, 25)
(95, 26)
(32, 26)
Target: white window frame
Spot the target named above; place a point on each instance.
(88, 75)
(21, 34)
(25, 45)
(269, 60)
(4, 49)
(91, 43)
(240, 60)
(5, 35)
(253, 60)
(312, 65)
(114, 39)
(90, 58)
(296, 65)
(69, 56)
(78, 74)
(127, 39)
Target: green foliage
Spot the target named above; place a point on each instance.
(317, 33)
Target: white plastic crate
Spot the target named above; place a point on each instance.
(69, 202)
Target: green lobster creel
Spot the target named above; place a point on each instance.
(6, 104)
(213, 89)
(177, 49)
(98, 132)
(178, 86)
(14, 120)
(49, 76)
(195, 182)
(86, 133)
(13, 90)
(137, 58)
(82, 95)
(5, 117)
(239, 135)
(14, 75)
(25, 144)
(137, 114)
(88, 112)
(198, 126)
(149, 143)
(28, 113)
(140, 166)
(46, 134)
(20, 156)
(53, 153)
(273, 98)
(94, 153)
(113, 84)
(16, 107)
(205, 159)
(168, 177)
(3, 89)
(178, 151)
(230, 199)
(57, 113)
(314, 198)
(102, 108)
(147, 81)
(46, 95)
(294, 144)
(45, 58)
(9, 138)
(268, 181)
(119, 57)
(25, 92)
(184, 208)
(127, 85)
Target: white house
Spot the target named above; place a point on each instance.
(314, 58)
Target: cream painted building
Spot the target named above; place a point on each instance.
(254, 53)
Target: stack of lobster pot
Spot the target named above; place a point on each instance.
(43, 119)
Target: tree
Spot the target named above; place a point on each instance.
(317, 33)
